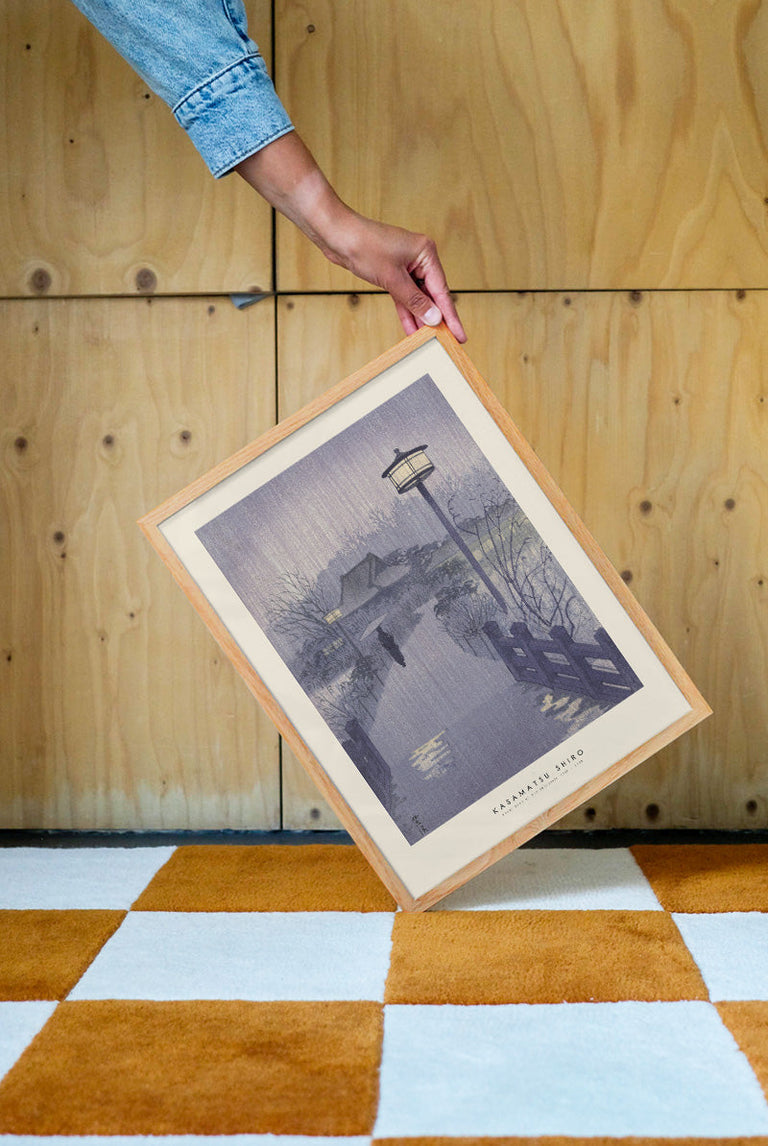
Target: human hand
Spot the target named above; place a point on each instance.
(403, 263)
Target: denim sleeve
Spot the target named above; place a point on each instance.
(198, 57)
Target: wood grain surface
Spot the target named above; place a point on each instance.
(543, 143)
(101, 192)
(118, 709)
(650, 412)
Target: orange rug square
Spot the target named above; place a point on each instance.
(113, 1067)
(748, 1023)
(44, 953)
(475, 957)
(272, 877)
(706, 877)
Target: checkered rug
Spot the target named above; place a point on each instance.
(276, 992)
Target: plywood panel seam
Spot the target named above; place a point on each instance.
(740, 291)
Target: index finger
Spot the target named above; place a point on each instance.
(436, 286)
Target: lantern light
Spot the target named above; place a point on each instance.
(410, 468)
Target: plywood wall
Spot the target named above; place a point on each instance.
(100, 191)
(594, 155)
(543, 143)
(651, 412)
(118, 709)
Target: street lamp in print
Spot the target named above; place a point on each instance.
(410, 470)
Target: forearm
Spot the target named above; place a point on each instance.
(286, 174)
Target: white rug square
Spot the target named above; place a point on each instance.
(85, 878)
(612, 1069)
(731, 950)
(19, 1023)
(260, 956)
(558, 879)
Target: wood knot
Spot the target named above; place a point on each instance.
(626, 575)
(146, 280)
(311, 28)
(59, 537)
(741, 294)
(652, 812)
(354, 300)
(730, 503)
(40, 281)
(108, 440)
(186, 436)
(646, 506)
(20, 444)
(635, 297)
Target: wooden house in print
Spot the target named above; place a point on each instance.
(364, 587)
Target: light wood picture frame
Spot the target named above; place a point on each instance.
(420, 611)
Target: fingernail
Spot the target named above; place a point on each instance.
(433, 317)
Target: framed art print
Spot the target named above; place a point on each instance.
(411, 598)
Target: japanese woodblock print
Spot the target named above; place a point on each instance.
(447, 650)
(419, 609)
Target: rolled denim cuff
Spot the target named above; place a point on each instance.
(233, 115)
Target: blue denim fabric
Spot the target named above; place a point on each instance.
(197, 56)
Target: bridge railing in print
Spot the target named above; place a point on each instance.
(597, 670)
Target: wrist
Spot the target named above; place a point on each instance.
(323, 217)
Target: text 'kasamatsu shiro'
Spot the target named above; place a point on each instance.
(544, 778)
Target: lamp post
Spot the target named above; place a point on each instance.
(410, 470)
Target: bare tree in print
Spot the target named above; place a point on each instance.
(299, 607)
(484, 510)
(351, 698)
(463, 609)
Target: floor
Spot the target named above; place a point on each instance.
(275, 992)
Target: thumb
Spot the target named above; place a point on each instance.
(405, 291)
